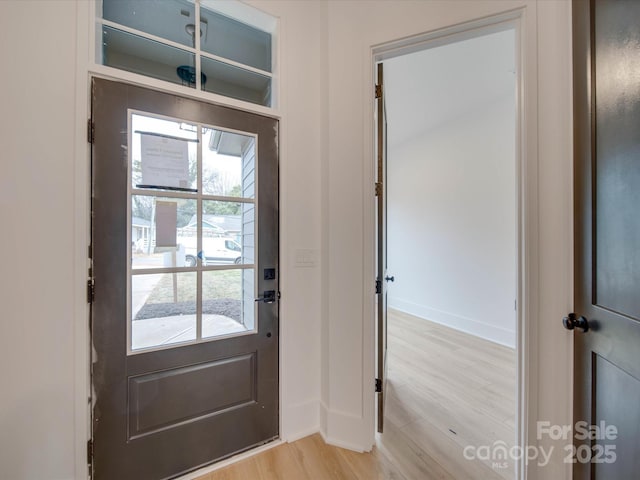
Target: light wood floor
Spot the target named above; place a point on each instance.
(445, 390)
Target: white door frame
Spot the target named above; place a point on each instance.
(527, 202)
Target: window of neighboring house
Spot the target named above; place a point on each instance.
(159, 39)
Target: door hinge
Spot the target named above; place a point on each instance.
(378, 287)
(378, 91)
(89, 452)
(378, 385)
(91, 290)
(91, 131)
(378, 189)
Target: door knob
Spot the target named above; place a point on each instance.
(572, 321)
(390, 279)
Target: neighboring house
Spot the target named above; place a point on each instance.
(216, 225)
(229, 226)
(232, 224)
(140, 230)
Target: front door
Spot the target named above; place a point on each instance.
(607, 232)
(184, 319)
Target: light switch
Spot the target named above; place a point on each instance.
(304, 257)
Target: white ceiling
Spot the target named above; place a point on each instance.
(432, 87)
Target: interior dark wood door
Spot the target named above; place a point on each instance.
(381, 277)
(184, 239)
(607, 231)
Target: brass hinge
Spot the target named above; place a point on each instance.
(91, 290)
(89, 452)
(378, 385)
(378, 91)
(378, 189)
(91, 131)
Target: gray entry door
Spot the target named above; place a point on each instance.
(184, 240)
(381, 277)
(607, 233)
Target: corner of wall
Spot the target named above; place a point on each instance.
(343, 430)
(325, 230)
(301, 420)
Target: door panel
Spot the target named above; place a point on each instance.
(150, 412)
(607, 232)
(617, 117)
(613, 389)
(205, 390)
(381, 282)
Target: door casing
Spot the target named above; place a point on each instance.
(526, 191)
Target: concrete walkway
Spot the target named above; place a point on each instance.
(154, 332)
(142, 285)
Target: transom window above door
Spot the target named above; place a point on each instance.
(230, 53)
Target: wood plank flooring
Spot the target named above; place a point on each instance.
(309, 459)
(446, 390)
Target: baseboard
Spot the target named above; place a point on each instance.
(300, 420)
(342, 430)
(464, 324)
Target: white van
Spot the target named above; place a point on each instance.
(214, 251)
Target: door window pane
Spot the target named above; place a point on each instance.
(228, 302)
(236, 244)
(163, 154)
(163, 309)
(152, 221)
(228, 163)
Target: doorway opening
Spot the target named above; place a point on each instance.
(449, 254)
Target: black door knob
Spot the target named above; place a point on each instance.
(572, 321)
(390, 279)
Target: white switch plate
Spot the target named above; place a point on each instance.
(304, 258)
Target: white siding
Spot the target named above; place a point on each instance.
(248, 234)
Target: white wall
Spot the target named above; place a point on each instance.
(451, 220)
(37, 293)
(302, 138)
(354, 27)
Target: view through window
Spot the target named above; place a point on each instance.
(192, 232)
